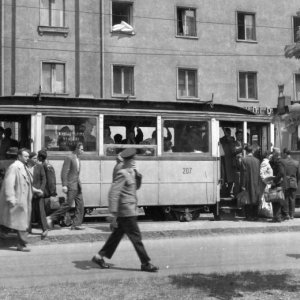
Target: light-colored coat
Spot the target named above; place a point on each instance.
(122, 195)
(15, 198)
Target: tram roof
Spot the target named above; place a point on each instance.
(54, 101)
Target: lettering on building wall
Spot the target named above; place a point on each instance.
(268, 111)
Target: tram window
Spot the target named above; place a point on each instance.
(14, 132)
(186, 136)
(62, 133)
(122, 131)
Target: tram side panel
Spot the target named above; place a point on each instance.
(187, 183)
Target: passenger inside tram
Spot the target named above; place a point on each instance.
(107, 136)
(118, 138)
(6, 141)
(131, 137)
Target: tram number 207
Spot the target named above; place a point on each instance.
(186, 171)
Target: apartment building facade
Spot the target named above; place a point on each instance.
(170, 51)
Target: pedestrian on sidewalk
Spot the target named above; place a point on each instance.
(250, 181)
(278, 183)
(38, 203)
(123, 207)
(71, 185)
(292, 174)
(15, 198)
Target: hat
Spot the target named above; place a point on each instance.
(128, 153)
(12, 151)
(32, 154)
(269, 179)
(276, 150)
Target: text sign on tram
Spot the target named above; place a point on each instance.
(258, 110)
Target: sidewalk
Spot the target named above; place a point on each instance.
(154, 230)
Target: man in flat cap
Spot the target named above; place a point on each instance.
(123, 207)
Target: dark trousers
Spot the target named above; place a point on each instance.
(277, 208)
(128, 226)
(289, 205)
(72, 196)
(237, 182)
(38, 212)
(22, 237)
(251, 211)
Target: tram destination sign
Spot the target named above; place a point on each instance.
(258, 110)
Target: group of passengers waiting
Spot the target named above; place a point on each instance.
(259, 174)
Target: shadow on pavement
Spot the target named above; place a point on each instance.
(296, 256)
(8, 244)
(228, 286)
(85, 264)
(88, 265)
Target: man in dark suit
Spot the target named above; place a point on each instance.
(123, 207)
(38, 202)
(71, 186)
(291, 178)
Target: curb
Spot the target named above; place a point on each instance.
(155, 234)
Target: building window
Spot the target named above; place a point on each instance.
(186, 21)
(248, 85)
(123, 77)
(121, 11)
(297, 87)
(53, 78)
(246, 26)
(187, 83)
(296, 24)
(52, 13)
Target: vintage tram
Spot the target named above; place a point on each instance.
(177, 145)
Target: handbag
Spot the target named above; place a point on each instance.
(243, 198)
(291, 182)
(138, 179)
(265, 209)
(274, 195)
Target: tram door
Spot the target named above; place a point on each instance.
(229, 133)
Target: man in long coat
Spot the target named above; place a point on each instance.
(250, 181)
(227, 142)
(15, 198)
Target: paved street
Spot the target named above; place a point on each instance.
(57, 263)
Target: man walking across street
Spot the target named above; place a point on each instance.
(291, 183)
(71, 186)
(123, 206)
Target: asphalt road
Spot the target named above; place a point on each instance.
(58, 263)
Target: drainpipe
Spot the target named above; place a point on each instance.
(101, 50)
